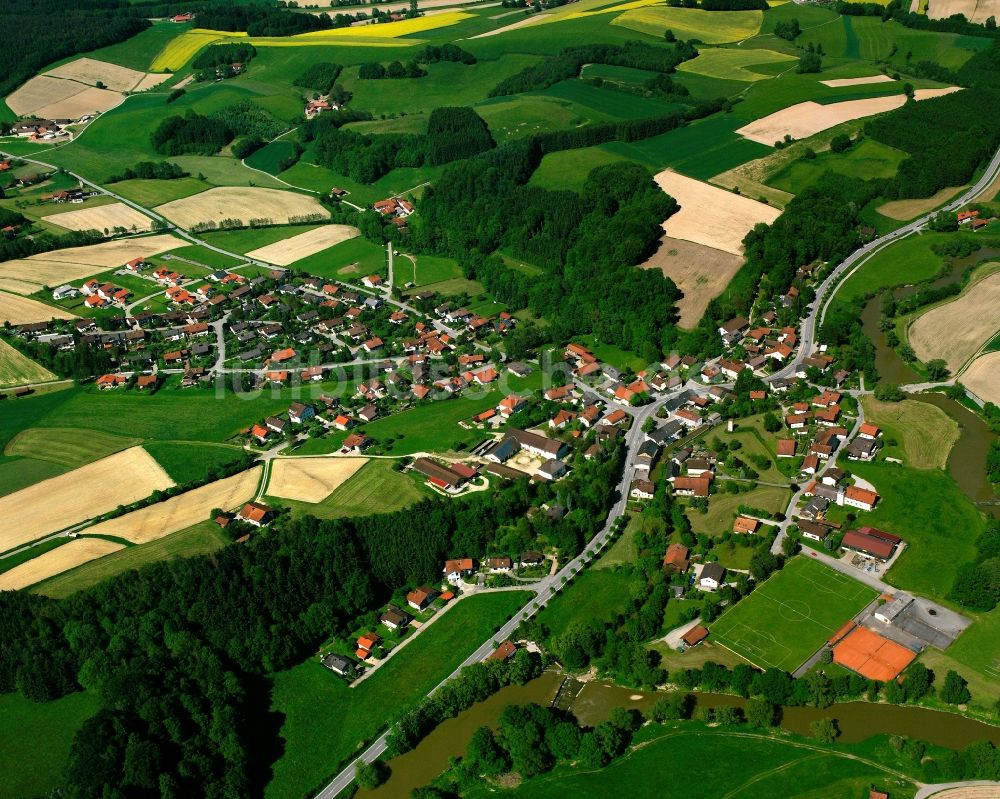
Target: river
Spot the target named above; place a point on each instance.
(594, 701)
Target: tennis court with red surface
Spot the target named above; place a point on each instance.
(871, 655)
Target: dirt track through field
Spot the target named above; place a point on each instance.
(513, 26)
(303, 245)
(81, 494)
(956, 330)
(701, 272)
(805, 119)
(982, 378)
(709, 215)
(310, 479)
(28, 275)
(184, 510)
(237, 202)
(101, 218)
(22, 310)
(57, 561)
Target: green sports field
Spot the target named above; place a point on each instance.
(791, 614)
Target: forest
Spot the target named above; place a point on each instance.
(29, 40)
(206, 135)
(261, 20)
(568, 63)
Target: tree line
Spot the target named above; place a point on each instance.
(568, 63)
(261, 20)
(150, 170)
(36, 33)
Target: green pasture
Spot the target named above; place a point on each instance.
(243, 241)
(974, 656)
(791, 614)
(37, 737)
(595, 594)
(150, 193)
(268, 158)
(185, 461)
(734, 64)
(375, 488)
(67, 446)
(722, 508)
(17, 473)
(927, 509)
(527, 114)
(210, 259)
(350, 259)
(910, 260)
(316, 743)
(139, 51)
(755, 765)
(200, 539)
(423, 270)
(867, 160)
(616, 104)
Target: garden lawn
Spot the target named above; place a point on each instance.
(200, 539)
(755, 766)
(924, 434)
(594, 595)
(791, 614)
(722, 508)
(37, 739)
(325, 722)
(930, 513)
(375, 488)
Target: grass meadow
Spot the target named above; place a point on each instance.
(185, 461)
(923, 433)
(325, 722)
(911, 260)
(791, 614)
(68, 447)
(599, 594)
(151, 193)
(37, 739)
(867, 160)
(722, 508)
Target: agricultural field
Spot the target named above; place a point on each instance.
(315, 742)
(56, 561)
(866, 160)
(983, 377)
(245, 204)
(21, 310)
(924, 434)
(184, 510)
(956, 330)
(28, 275)
(200, 539)
(977, 11)
(905, 210)
(374, 488)
(185, 461)
(710, 27)
(18, 370)
(157, 192)
(101, 218)
(37, 738)
(81, 494)
(295, 248)
(732, 64)
(67, 446)
(310, 479)
(791, 614)
(733, 216)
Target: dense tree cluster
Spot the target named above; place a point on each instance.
(320, 76)
(151, 170)
(23, 246)
(37, 32)
(452, 133)
(928, 130)
(80, 363)
(568, 63)
(433, 54)
(261, 20)
(374, 70)
(977, 584)
(206, 135)
(589, 244)
(217, 54)
(788, 29)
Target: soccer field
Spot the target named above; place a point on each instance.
(791, 614)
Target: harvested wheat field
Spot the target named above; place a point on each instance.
(310, 479)
(303, 245)
(90, 101)
(59, 502)
(56, 561)
(982, 378)
(805, 119)
(977, 11)
(28, 275)
(970, 792)
(91, 71)
(838, 82)
(701, 272)
(905, 210)
(101, 218)
(22, 310)
(956, 330)
(237, 202)
(710, 215)
(176, 513)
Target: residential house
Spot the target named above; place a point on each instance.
(300, 413)
(692, 486)
(712, 576)
(813, 530)
(531, 559)
(255, 513)
(746, 525)
(340, 666)
(356, 442)
(862, 449)
(786, 447)
(676, 558)
(862, 498)
(367, 644)
(869, 431)
(394, 619)
(552, 470)
(694, 636)
(455, 570)
(642, 489)
(538, 444)
(420, 598)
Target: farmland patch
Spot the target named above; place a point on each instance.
(701, 272)
(234, 202)
(184, 510)
(983, 377)
(719, 62)
(710, 27)
(303, 245)
(101, 218)
(22, 310)
(81, 494)
(17, 369)
(57, 561)
(709, 215)
(310, 479)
